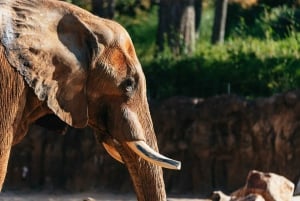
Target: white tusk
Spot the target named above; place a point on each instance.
(112, 152)
(147, 153)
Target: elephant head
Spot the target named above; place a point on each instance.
(86, 71)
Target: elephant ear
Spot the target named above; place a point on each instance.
(53, 51)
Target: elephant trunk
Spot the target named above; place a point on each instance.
(147, 178)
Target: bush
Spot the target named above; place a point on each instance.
(247, 67)
(262, 21)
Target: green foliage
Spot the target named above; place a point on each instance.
(275, 3)
(262, 21)
(249, 67)
(247, 64)
(86, 4)
(142, 29)
(280, 21)
(260, 56)
(206, 25)
(128, 7)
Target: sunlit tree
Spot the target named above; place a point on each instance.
(219, 26)
(178, 22)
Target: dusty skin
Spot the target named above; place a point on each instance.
(8, 196)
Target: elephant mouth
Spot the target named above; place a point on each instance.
(144, 151)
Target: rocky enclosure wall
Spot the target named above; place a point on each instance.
(218, 140)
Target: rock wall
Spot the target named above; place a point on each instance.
(218, 140)
(73, 162)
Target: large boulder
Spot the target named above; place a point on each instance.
(260, 186)
(220, 196)
(272, 187)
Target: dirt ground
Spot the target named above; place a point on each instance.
(14, 196)
(9, 196)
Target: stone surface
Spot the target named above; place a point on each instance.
(262, 186)
(219, 196)
(271, 186)
(250, 197)
(226, 135)
(218, 139)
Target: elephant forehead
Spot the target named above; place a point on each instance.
(119, 37)
(126, 44)
(120, 62)
(117, 59)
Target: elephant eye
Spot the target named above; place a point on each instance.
(128, 85)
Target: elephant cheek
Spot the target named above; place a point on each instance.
(137, 143)
(129, 127)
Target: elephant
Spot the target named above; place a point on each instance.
(57, 58)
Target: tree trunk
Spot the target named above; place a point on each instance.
(177, 25)
(198, 14)
(219, 21)
(104, 8)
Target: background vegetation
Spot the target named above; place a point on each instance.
(259, 57)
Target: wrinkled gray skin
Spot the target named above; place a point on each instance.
(57, 58)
